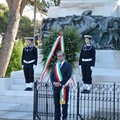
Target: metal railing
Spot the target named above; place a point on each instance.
(102, 103)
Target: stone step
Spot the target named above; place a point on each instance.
(101, 75)
(15, 115)
(17, 74)
(17, 97)
(16, 107)
(19, 81)
(17, 86)
(19, 93)
(100, 71)
(20, 75)
(12, 111)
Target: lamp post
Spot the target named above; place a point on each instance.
(34, 20)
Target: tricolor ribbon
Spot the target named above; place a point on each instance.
(49, 57)
(59, 79)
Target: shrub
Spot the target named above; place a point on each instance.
(15, 60)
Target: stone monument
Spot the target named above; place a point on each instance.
(105, 18)
(77, 7)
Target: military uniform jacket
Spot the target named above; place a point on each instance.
(29, 55)
(87, 52)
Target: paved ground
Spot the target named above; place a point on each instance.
(16, 111)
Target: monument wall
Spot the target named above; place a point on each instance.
(77, 7)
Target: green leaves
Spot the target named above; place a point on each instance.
(25, 28)
(4, 13)
(72, 45)
(15, 60)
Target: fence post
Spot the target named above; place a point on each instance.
(114, 103)
(35, 101)
(46, 85)
(78, 96)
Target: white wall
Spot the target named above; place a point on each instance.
(77, 7)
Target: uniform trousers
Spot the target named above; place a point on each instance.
(86, 72)
(29, 72)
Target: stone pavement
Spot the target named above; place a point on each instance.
(16, 111)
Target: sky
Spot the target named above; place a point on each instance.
(28, 11)
(3, 1)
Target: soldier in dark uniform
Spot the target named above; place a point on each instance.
(29, 61)
(87, 63)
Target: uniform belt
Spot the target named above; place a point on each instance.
(28, 62)
(86, 60)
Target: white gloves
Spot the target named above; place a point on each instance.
(80, 68)
(91, 68)
(34, 66)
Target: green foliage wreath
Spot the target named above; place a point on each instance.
(72, 45)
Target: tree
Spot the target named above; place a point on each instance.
(3, 18)
(26, 27)
(15, 11)
(15, 60)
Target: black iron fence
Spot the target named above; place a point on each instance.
(102, 103)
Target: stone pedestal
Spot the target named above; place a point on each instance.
(77, 7)
(107, 68)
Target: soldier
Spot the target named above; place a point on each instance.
(87, 63)
(29, 61)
